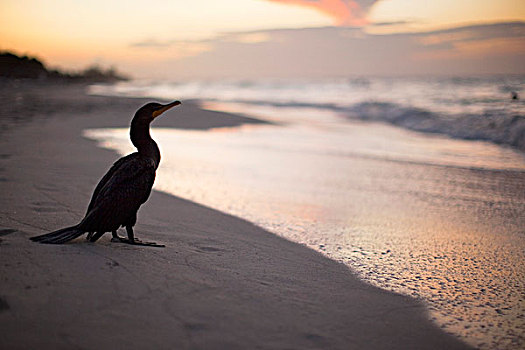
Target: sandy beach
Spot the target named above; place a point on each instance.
(220, 283)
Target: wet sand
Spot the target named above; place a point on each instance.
(220, 283)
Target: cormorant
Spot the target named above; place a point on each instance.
(124, 188)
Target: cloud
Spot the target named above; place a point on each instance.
(188, 48)
(392, 23)
(151, 43)
(449, 37)
(177, 48)
(472, 42)
(251, 38)
(344, 12)
(445, 38)
(347, 51)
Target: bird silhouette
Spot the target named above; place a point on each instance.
(125, 187)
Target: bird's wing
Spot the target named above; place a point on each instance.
(114, 168)
(120, 196)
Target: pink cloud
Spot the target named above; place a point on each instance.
(344, 12)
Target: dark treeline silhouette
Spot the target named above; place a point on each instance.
(24, 67)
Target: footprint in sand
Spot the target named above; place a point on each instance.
(45, 207)
(47, 188)
(2, 178)
(195, 326)
(7, 231)
(206, 249)
(315, 338)
(3, 305)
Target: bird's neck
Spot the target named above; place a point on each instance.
(140, 137)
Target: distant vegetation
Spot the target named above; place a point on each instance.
(23, 67)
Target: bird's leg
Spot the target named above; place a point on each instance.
(89, 235)
(132, 240)
(131, 234)
(97, 235)
(117, 238)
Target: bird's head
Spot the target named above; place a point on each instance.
(152, 110)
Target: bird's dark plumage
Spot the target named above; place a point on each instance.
(125, 187)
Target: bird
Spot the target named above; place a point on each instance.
(122, 190)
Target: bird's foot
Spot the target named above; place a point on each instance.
(136, 241)
(118, 239)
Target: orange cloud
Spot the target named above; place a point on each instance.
(344, 12)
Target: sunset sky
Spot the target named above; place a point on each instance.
(253, 38)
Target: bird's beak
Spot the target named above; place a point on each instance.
(165, 108)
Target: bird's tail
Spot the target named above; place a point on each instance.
(61, 236)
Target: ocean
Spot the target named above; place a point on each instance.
(475, 108)
(416, 184)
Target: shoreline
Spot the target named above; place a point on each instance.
(221, 282)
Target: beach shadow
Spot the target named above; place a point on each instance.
(253, 288)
